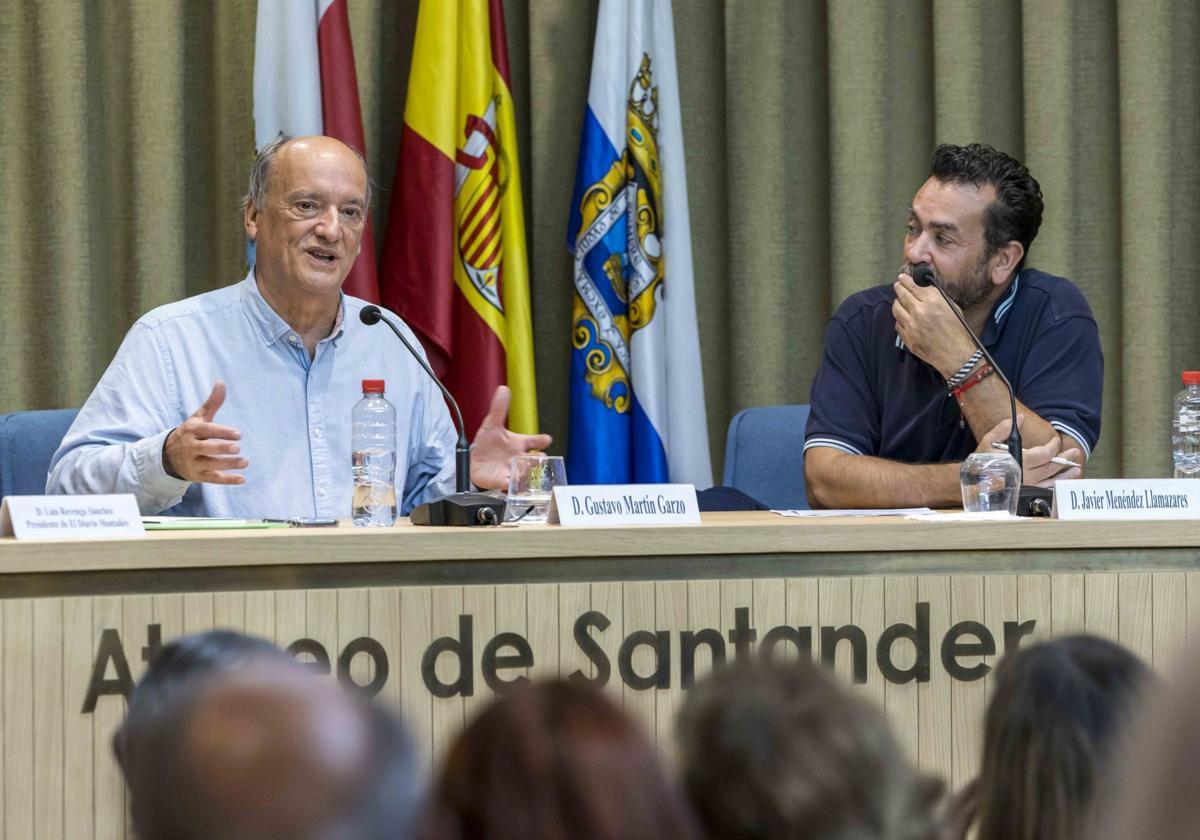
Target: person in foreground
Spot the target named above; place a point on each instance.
(237, 402)
(269, 752)
(902, 396)
(178, 668)
(554, 761)
(1058, 715)
(775, 750)
(1153, 791)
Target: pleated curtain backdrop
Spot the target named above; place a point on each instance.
(126, 136)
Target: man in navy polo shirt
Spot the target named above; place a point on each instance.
(901, 397)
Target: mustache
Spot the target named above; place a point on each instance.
(908, 268)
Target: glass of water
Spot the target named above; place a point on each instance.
(990, 482)
(531, 485)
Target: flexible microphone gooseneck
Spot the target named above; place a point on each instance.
(464, 507)
(923, 276)
(1032, 500)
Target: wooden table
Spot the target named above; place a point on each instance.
(371, 605)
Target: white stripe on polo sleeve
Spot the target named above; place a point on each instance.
(832, 443)
(1078, 436)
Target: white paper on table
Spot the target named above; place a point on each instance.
(857, 512)
(965, 516)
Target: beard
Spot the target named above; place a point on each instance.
(968, 289)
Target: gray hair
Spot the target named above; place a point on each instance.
(264, 162)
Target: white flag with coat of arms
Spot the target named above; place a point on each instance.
(637, 389)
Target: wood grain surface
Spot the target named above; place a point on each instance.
(59, 778)
(740, 533)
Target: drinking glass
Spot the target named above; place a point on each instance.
(533, 480)
(990, 482)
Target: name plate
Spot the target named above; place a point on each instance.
(582, 505)
(70, 517)
(1128, 498)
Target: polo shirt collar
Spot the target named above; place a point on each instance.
(999, 315)
(266, 321)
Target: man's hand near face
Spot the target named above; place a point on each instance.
(928, 328)
(200, 450)
(495, 446)
(932, 331)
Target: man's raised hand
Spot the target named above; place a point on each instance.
(928, 327)
(200, 450)
(495, 446)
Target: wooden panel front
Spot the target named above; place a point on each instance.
(60, 779)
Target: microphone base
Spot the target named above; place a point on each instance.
(1034, 501)
(460, 510)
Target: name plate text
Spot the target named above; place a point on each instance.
(70, 517)
(1128, 498)
(624, 504)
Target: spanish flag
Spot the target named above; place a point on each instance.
(454, 260)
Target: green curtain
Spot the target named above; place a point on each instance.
(126, 135)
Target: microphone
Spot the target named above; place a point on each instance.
(463, 507)
(1033, 501)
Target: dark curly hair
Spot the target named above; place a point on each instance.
(1017, 211)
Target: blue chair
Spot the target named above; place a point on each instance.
(28, 440)
(764, 455)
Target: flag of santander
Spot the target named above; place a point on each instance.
(304, 83)
(454, 259)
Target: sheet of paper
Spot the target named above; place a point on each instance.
(857, 512)
(963, 516)
(203, 523)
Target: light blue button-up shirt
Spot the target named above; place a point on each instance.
(293, 412)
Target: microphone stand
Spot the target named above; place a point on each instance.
(1032, 501)
(462, 508)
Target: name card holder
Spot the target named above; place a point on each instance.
(1127, 498)
(594, 505)
(70, 517)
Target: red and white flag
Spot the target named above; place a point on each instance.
(304, 83)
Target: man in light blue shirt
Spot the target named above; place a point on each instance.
(281, 356)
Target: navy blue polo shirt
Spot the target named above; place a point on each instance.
(872, 396)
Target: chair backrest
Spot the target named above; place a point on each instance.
(28, 440)
(764, 455)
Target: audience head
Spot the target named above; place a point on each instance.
(271, 751)
(555, 761)
(1153, 791)
(175, 671)
(786, 751)
(1058, 709)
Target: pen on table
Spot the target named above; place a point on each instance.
(1066, 462)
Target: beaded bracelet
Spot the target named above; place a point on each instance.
(975, 378)
(958, 378)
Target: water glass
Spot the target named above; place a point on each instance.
(531, 485)
(990, 482)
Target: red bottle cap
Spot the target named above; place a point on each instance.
(1191, 377)
(375, 386)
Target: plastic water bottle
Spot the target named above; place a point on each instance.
(374, 457)
(1185, 427)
